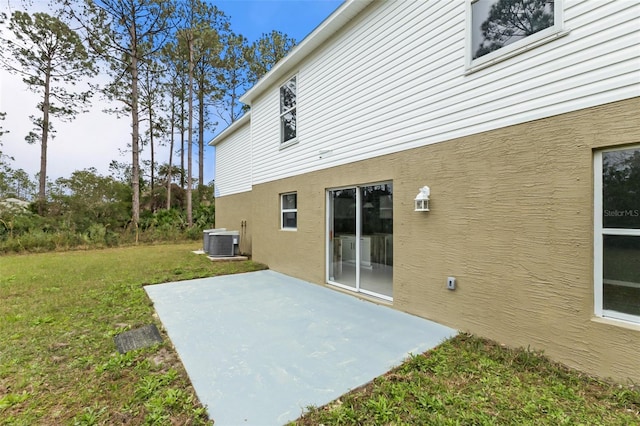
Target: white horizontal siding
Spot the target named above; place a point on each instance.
(233, 163)
(394, 79)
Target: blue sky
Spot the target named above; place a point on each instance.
(296, 18)
(94, 139)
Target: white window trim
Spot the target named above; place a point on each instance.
(293, 141)
(288, 143)
(598, 248)
(283, 211)
(531, 42)
(597, 234)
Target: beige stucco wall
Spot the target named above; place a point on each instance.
(234, 211)
(511, 218)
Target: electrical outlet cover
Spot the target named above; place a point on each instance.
(451, 283)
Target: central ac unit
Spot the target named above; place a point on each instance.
(223, 244)
(205, 235)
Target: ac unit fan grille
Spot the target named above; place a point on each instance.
(221, 245)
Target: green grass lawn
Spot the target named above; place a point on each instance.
(472, 381)
(59, 313)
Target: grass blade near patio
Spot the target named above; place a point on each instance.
(473, 381)
(59, 313)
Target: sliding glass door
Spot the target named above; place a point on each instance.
(342, 237)
(360, 239)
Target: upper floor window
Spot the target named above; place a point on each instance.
(288, 94)
(617, 233)
(503, 26)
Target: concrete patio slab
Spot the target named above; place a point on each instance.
(262, 346)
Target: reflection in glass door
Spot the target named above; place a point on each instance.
(360, 243)
(342, 233)
(376, 239)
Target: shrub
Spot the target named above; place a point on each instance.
(29, 232)
(96, 233)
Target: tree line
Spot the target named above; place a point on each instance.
(175, 69)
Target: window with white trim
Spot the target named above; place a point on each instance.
(289, 211)
(499, 27)
(288, 101)
(617, 233)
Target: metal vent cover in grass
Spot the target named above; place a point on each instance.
(139, 338)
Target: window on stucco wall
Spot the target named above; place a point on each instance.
(617, 233)
(289, 211)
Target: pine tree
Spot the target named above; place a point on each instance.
(51, 58)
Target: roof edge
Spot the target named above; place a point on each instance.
(347, 10)
(229, 130)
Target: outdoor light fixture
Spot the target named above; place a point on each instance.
(422, 199)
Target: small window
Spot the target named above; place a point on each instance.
(617, 234)
(288, 94)
(499, 27)
(289, 211)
